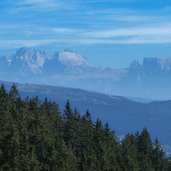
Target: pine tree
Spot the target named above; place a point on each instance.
(145, 150)
(158, 156)
(68, 111)
(87, 155)
(130, 153)
(14, 93)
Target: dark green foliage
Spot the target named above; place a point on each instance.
(35, 136)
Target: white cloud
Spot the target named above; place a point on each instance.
(15, 43)
(65, 30)
(153, 34)
(142, 39)
(43, 5)
(155, 30)
(110, 1)
(126, 16)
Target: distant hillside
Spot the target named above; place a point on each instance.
(123, 115)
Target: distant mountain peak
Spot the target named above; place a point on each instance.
(73, 59)
(135, 64)
(26, 53)
(163, 64)
(34, 59)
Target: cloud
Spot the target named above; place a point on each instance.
(32, 36)
(15, 43)
(65, 30)
(155, 30)
(43, 5)
(110, 1)
(122, 16)
(141, 39)
(156, 34)
(84, 26)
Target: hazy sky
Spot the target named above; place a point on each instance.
(108, 32)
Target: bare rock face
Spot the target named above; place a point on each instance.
(29, 58)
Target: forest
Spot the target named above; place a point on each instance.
(37, 135)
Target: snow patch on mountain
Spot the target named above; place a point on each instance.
(8, 59)
(73, 59)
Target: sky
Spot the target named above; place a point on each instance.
(109, 33)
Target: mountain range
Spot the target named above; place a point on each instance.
(151, 79)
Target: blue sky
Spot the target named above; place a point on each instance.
(110, 33)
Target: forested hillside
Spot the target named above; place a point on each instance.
(122, 114)
(35, 135)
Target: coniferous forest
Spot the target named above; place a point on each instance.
(36, 136)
